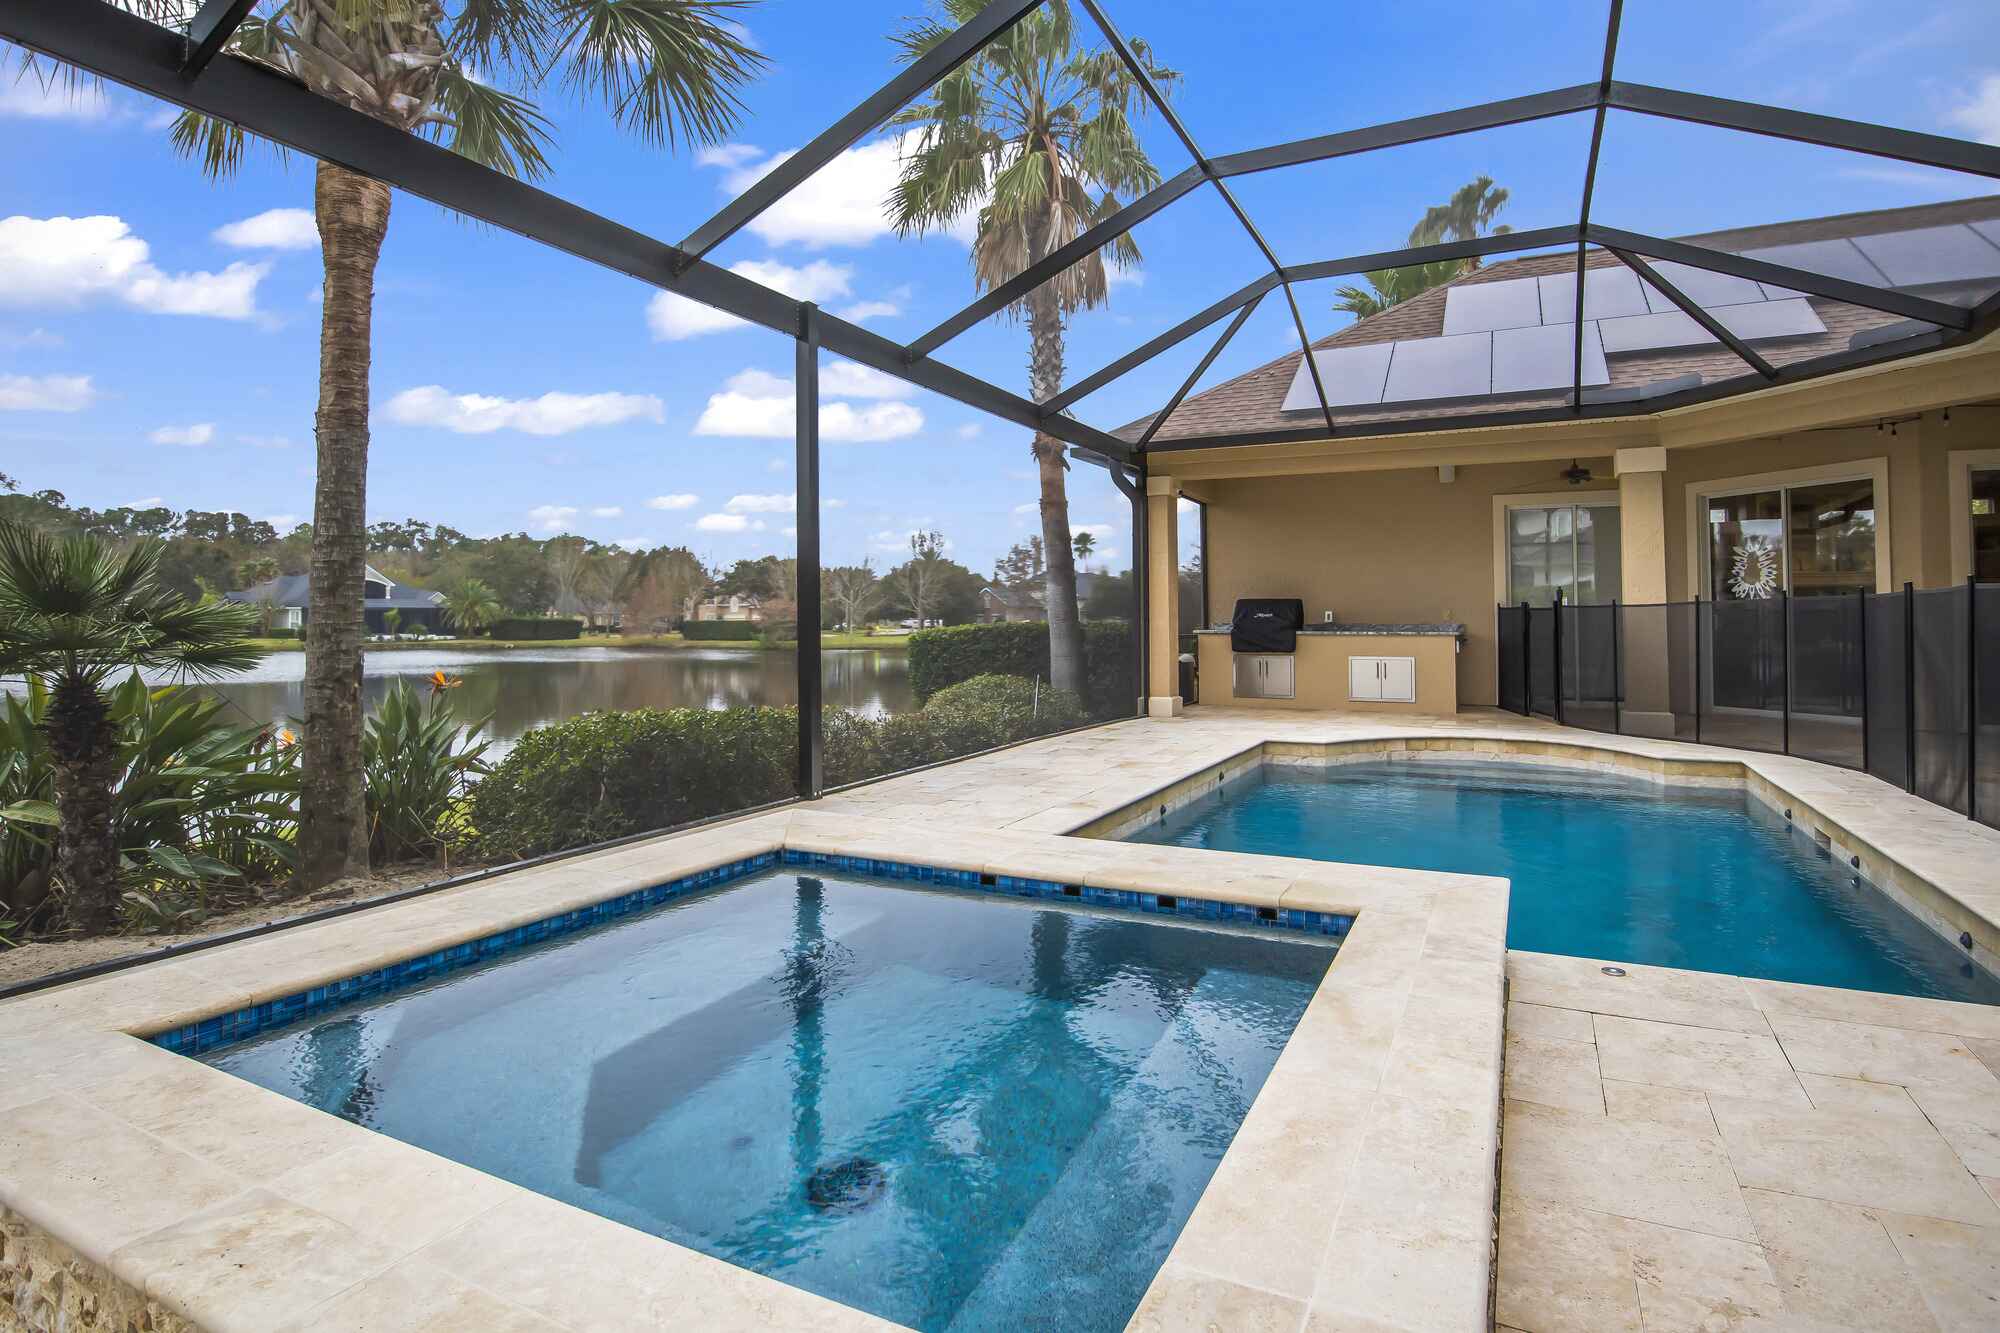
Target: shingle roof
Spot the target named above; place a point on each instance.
(1253, 401)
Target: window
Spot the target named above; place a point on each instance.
(1808, 540)
(1573, 548)
(1986, 524)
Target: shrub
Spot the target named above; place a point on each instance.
(1010, 707)
(282, 632)
(940, 658)
(740, 630)
(418, 760)
(537, 627)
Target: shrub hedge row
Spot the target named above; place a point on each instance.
(719, 629)
(612, 774)
(537, 627)
(943, 657)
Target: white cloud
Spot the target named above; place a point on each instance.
(276, 229)
(673, 502)
(757, 404)
(282, 522)
(834, 504)
(761, 504)
(845, 202)
(552, 518)
(202, 432)
(890, 540)
(150, 502)
(778, 465)
(862, 311)
(608, 511)
(673, 318)
(28, 95)
(728, 155)
(847, 379)
(551, 414)
(1097, 530)
(1979, 115)
(68, 261)
(32, 338)
(722, 523)
(971, 430)
(45, 393)
(1031, 507)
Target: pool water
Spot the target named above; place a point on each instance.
(952, 1111)
(1601, 867)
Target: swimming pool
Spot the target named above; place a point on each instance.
(1605, 867)
(953, 1110)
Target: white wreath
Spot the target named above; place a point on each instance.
(1753, 569)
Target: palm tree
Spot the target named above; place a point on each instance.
(668, 71)
(1393, 286)
(73, 613)
(1036, 134)
(1083, 543)
(471, 607)
(1467, 215)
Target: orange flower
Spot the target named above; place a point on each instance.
(285, 736)
(441, 682)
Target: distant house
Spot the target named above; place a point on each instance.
(736, 606)
(289, 596)
(1025, 601)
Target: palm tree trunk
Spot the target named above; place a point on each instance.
(1045, 375)
(84, 744)
(353, 216)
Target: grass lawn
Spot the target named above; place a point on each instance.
(652, 642)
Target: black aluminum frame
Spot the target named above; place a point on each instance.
(191, 70)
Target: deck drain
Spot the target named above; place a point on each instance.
(1612, 971)
(847, 1187)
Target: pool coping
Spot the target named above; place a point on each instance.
(1359, 1190)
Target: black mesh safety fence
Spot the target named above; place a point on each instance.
(1512, 634)
(1904, 686)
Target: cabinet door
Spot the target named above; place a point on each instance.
(1247, 676)
(1279, 681)
(1399, 679)
(1364, 678)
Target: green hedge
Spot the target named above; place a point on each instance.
(537, 627)
(283, 632)
(940, 658)
(736, 630)
(608, 775)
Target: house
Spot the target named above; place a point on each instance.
(1424, 504)
(289, 596)
(735, 606)
(1025, 601)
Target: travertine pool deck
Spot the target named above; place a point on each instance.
(1358, 1194)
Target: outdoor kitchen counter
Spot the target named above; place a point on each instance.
(1404, 668)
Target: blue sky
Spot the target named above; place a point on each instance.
(158, 333)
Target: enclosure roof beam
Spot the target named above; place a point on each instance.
(1855, 136)
(1589, 190)
(1187, 385)
(210, 30)
(1228, 305)
(1884, 299)
(1507, 242)
(268, 102)
(1648, 274)
(962, 45)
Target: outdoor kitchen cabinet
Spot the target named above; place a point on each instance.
(1386, 669)
(1264, 675)
(1382, 679)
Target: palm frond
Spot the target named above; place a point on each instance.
(494, 128)
(667, 69)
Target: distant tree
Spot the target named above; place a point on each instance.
(513, 567)
(261, 569)
(471, 607)
(663, 586)
(919, 581)
(1022, 566)
(856, 591)
(1084, 543)
(390, 620)
(1392, 286)
(1467, 215)
(74, 613)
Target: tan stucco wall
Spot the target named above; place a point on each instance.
(1320, 673)
(1401, 545)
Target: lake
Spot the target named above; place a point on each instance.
(524, 687)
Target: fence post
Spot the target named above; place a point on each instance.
(1559, 656)
(812, 742)
(1696, 606)
(1785, 664)
(1861, 637)
(1910, 687)
(1527, 662)
(1972, 696)
(1617, 675)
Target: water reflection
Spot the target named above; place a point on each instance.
(525, 688)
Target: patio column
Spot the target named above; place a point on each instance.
(1163, 606)
(1644, 642)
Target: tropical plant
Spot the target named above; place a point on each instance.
(1467, 215)
(1392, 286)
(667, 70)
(471, 607)
(1035, 134)
(390, 620)
(420, 761)
(73, 613)
(1083, 543)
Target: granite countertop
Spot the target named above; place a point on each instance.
(1452, 628)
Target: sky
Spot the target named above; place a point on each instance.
(158, 331)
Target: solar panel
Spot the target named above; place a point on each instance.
(1770, 319)
(1834, 259)
(1483, 306)
(1460, 366)
(1989, 228)
(1644, 333)
(1932, 254)
(1352, 377)
(1607, 294)
(1704, 287)
(1545, 358)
